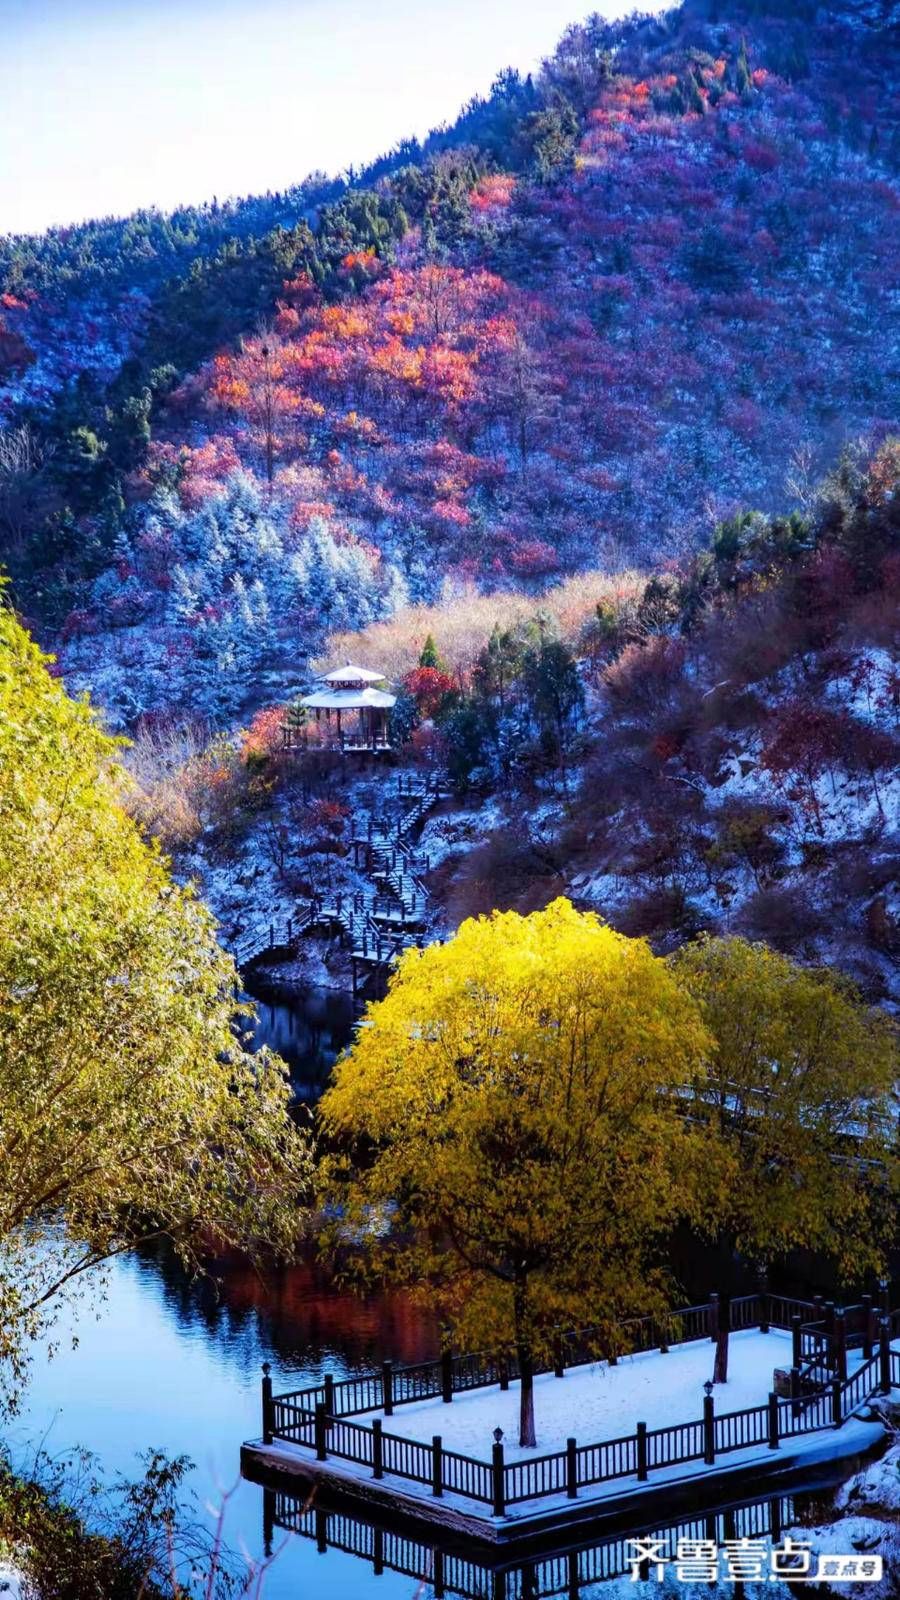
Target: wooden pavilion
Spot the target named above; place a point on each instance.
(350, 694)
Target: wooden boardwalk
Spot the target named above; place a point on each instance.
(340, 1432)
(377, 923)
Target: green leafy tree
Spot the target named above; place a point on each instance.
(129, 1107)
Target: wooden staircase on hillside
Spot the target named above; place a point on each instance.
(377, 923)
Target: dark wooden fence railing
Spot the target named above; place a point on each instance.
(317, 1418)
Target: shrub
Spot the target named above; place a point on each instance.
(646, 676)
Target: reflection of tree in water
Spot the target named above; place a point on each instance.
(295, 1312)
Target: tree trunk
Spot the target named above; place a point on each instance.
(525, 1354)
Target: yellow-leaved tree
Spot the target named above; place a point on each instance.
(505, 1134)
(798, 1094)
(129, 1109)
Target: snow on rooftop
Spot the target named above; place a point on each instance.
(349, 699)
(597, 1402)
(350, 674)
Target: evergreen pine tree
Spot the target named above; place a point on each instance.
(429, 657)
(742, 70)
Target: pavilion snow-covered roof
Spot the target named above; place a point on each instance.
(349, 700)
(350, 674)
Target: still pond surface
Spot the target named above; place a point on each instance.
(169, 1364)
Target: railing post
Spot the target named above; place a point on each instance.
(498, 1481)
(437, 1465)
(796, 1341)
(437, 1574)
(773, 1421)
(641, 1433)
(764, 1306)
(709, 1430)
(664, 1339)
(571, 1469)
(387, 1388)
(713, 1316)
(795, 1391)
(329, 1394)
(829, 1316)
(836, 1402)
(884, 1355)
(320, 1431)
(377, 1449)
(446, 1376)
(840, 1345)
(268, 1405)
(868, 1326)
(504, 1373)
(559, 1357)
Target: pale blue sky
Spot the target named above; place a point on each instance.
(107, 105)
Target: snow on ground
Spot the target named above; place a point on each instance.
(867, 1520)
(455, 832)
(597, 1402)
(12, 1582)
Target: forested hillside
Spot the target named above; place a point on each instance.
(610, 306)
(557, 386)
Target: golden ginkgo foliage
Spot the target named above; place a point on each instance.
(506, 1133)
(799, 1093)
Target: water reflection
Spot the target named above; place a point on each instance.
(297, 1313)
(308, 1031)
(575, 1570)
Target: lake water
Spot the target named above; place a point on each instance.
(170, 1364)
